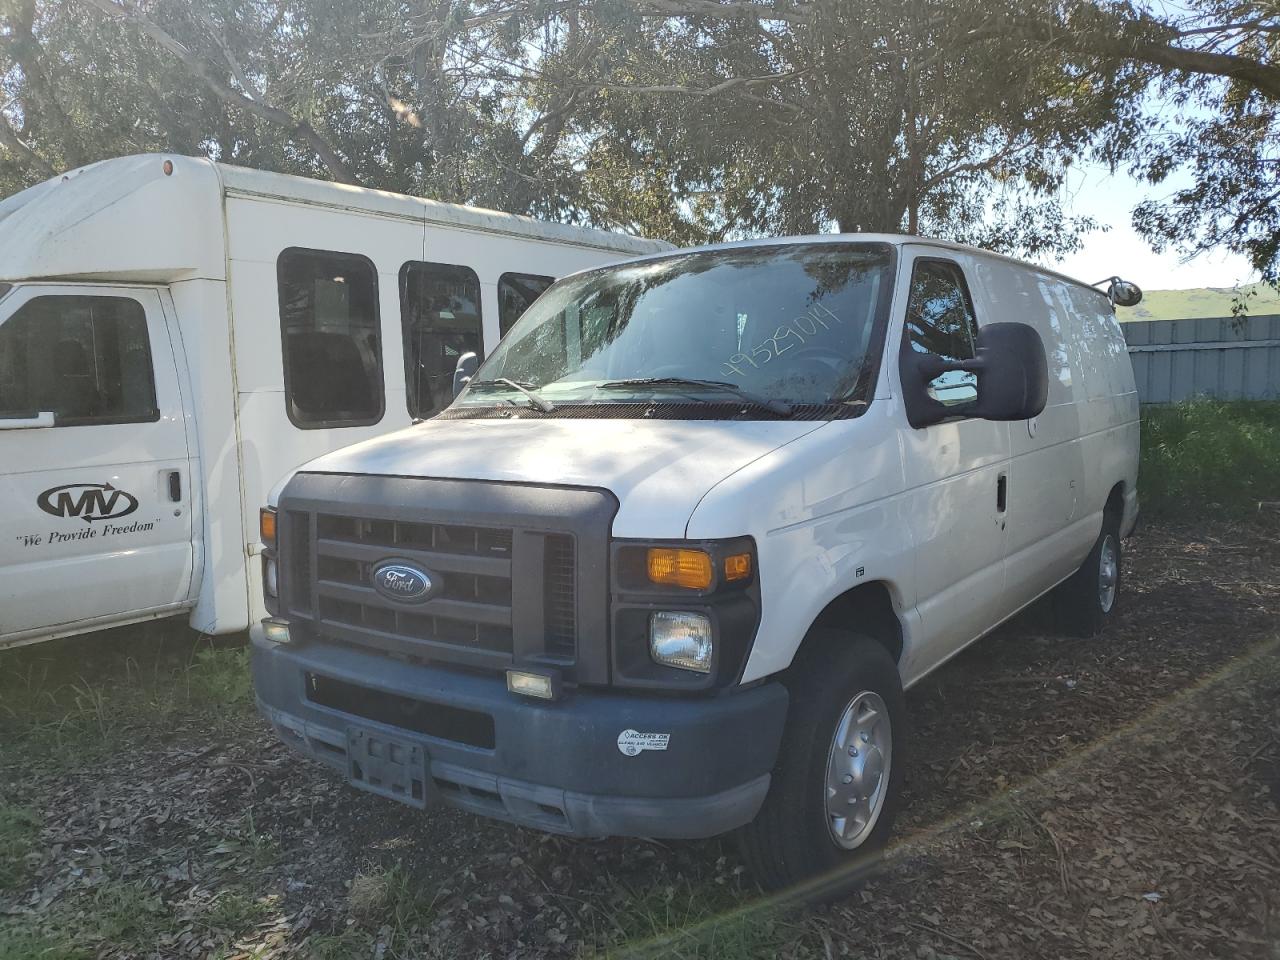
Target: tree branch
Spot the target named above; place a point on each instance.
(228, 54)
(1141, 41)
(725, 10)
(204, 71)
(971, 166)
(22, 45)
(11, 141)
(1260, 25)
(1263, 77)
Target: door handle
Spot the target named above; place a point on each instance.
(1002, 492)
(175, 486)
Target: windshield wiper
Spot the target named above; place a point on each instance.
(780, 407)
(535, 400)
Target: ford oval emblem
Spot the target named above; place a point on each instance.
(402, 583)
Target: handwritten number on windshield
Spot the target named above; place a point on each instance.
(804, 326)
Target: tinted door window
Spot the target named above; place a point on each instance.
(331, 342)
(940, 321)
(515, 292)
(85, 359)
(440, 315)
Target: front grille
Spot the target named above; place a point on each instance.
(472, 606)
(560, 595)
(297, 527)
(510, 581)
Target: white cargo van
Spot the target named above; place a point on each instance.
(667, 564)
(175, 334)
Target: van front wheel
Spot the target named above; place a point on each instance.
(838, 781)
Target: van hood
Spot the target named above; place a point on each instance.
(658, 469)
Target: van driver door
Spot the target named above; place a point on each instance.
(956, 471)
(94, 463)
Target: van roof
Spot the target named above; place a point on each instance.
(126, 219)
(893, 239)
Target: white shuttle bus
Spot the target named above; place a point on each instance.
(175, 334)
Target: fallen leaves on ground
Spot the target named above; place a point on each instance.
(1111, 797)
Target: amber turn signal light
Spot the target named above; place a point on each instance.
(267, 525)
(680, 568)
(737, 567)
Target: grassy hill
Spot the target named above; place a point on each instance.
(1201, 302)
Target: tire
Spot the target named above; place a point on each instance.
(1083, 603)
(792, 839)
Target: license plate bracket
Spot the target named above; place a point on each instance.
(387, 766)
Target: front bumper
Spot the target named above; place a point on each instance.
(556, 766)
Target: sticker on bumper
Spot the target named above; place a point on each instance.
(632, 742)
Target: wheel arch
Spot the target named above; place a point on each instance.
(1115, 501)
(867, 608)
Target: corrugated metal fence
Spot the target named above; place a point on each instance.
(1177, 359)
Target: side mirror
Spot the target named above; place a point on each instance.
(464, 371)
(1011, 370)
(1123, 293)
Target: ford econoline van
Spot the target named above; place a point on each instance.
(667, 563)
(176, 333)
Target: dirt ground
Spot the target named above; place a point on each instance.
(1113, 797)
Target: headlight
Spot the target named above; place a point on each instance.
(272, 578)
(276, 630)
(681, 640)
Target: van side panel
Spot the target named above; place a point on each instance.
(1046, 537)
(1108, 403)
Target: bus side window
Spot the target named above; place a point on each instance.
(330, 338)
(516, 291)
(440, 317)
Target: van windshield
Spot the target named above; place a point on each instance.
(799, 324)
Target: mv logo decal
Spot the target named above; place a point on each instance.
(87, 501)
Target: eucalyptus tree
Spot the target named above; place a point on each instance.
(1202, 87)
(775, 117)
(323, 88)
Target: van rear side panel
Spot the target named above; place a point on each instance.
(1108, 403)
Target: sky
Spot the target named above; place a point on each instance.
(1110, 199)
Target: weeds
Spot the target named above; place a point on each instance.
(394, 902)
(126, 915)
(18, 830)
(258, 850)
(689, 922)
(68, 701)
(22, 943)
(220, 676)
(235, 913)
(1209, 457)
(347, 945)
